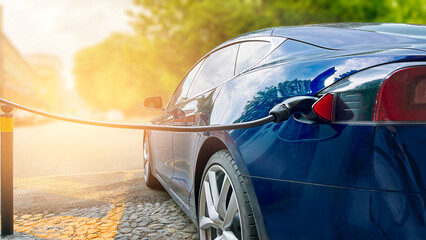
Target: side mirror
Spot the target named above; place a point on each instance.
(153, 103)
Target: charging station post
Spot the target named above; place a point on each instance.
(6, 170)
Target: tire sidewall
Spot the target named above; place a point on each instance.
(151, 181)
(225, 160)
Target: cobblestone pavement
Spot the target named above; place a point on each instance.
(134, 216)
(118, 221)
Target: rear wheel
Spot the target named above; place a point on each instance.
(224, 210)
(150, 180)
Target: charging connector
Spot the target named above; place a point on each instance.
(300, 104)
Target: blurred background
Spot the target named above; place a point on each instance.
(100, 59)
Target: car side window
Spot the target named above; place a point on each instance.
(249, 53)
(218, 67)
(182, 91)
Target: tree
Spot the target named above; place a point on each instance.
(119, 73)
(172, 35)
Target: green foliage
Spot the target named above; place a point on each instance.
(116, 72)
(172, 35)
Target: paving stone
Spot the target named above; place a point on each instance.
(125, 230)
(143, 224)
(129, 221)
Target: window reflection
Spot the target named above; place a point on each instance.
(289, 50)
(249, 53)
(218, 67)
(182, 90)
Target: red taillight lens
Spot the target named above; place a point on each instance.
(402, 96)
(323, 108)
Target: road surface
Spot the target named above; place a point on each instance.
(59, 148)
(85, 182)
(60, 165)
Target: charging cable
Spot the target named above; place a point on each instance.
(279, 113)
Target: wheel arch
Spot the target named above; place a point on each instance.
(209, 147)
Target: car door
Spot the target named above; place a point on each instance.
(161, 150)
(195, 111)
(162, 141)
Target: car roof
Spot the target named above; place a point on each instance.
(350, 35)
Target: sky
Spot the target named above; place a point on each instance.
(62, 27)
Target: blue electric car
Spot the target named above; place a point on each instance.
(349, 165)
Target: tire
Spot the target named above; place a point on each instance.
(150, 180)
(224, 211)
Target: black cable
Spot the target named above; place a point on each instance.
(249, 124)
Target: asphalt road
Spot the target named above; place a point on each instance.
(67, 175)
(59, 148)
(60, 166)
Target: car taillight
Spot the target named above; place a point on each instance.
(323, 108)
(402, 96)
(398, 97)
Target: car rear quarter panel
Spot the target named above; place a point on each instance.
(378, 194)
(340, 181)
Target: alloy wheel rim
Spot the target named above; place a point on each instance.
(219, 214)
(146, 159)
(145, 174)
